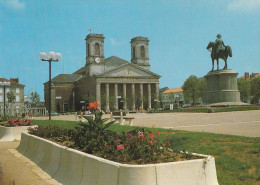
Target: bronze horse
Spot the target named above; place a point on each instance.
(223, 54)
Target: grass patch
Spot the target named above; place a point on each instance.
(237, 158)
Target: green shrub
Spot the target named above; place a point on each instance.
(91, 136)
(54, 133)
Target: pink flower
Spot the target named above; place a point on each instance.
(140, 134)
(120, 147)
(150, 143)
(105, 145)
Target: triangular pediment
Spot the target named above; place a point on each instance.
(129, 70)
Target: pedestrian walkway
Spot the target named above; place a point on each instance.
(15, 169)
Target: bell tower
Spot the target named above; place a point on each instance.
(94, 53)
(140, 52)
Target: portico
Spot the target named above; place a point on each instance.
(126, 94)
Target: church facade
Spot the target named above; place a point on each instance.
(113, 82)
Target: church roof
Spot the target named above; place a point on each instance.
(80, 71)
(114, 61)
(127, 65)
(66, 78)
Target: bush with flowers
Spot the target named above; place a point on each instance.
(17, 122)
(137, 146)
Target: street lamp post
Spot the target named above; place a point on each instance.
(4, 84)
(51, 56)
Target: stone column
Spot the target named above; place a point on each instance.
(98, 97)
(133, 96)
(107, 97)
(149, 96)
(141, 95)
(157, 91)
(116, 99)
(124, 97)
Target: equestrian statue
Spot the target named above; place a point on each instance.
(219, 50)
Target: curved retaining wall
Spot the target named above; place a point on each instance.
(72, 167)
(12, 133)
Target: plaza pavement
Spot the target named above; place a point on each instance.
(241, 123)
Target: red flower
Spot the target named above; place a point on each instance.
(93, 106)
(157, 133)
(140, 134)
(151, 136)
(150, 143)
(120, 147)
(167, 143)
(105, 145)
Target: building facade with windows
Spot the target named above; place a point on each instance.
(113, 82)
(17, 89)
(173, 97)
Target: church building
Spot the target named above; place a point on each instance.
(113, 82)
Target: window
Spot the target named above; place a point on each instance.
(17, 98)
(1, 98)
(1, 90)
(134, 52)
(142, 52)
(17, 90)
(97, 49)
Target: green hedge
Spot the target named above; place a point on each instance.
(212, 109)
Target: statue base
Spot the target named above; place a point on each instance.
(221, 87)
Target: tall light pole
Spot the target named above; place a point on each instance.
(4, 84)
(49, 57)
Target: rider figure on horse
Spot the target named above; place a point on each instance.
(219, 44)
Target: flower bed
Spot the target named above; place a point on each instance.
(138, 146)
(69, 166)
(11, 129)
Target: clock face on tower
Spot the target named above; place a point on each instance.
(97, 60)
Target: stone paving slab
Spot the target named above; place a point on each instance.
(15, 169)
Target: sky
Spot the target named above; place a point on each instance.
(178, 30)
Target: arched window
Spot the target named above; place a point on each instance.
(88, 50)
(142, 52)
(134, 52)
(97, 49)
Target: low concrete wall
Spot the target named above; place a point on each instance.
(12, 133)
(69, 166)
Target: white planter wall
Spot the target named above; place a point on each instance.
(72, 167)
(12, 133)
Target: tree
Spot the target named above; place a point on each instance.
(244, 88)
(10, 97)
(255, 89)
(35, 99)
(194, 88)
(163, 89)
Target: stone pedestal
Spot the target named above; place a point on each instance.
(221, 86)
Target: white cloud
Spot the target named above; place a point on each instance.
(244, 5)
(13, 4)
